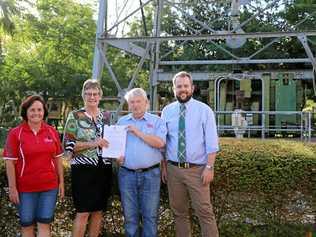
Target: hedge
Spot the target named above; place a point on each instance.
(3, 135)
(261, 188)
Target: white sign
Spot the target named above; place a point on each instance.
(116, 136)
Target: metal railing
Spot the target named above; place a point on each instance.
(264, 123)
(267, 122)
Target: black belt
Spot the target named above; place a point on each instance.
(184, 165)
(142, 169)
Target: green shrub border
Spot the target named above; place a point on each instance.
(261, 188)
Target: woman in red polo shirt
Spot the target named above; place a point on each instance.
(34, 168)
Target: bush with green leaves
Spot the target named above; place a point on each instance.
(261, 188)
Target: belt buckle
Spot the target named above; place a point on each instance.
(184, 165)
(139, 170)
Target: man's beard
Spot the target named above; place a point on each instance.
(184, 100)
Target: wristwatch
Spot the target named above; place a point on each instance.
(209, 167)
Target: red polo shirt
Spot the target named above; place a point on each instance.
(35, 154)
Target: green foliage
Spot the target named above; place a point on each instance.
(50, 54)
(262, 188)
(274, 183)
(8, 9)
(289, 17)
(3, 136)
(301, 6)
(124, 66)
(310, 105)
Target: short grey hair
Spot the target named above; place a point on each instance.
(135, 92)
(181, 74)
(91, 84)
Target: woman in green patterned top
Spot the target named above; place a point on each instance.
(91, 174)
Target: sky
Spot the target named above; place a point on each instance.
(115, 8)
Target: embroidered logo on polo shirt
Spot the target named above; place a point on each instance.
(48, 139)
(149, 125)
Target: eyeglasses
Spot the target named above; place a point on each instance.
(89, 94)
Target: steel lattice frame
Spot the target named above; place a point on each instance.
(152, 43)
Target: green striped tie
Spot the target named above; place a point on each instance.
(181, 135)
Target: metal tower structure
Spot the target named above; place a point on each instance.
(230, 36)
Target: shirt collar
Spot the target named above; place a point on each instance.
(26, 126)
(145, 117)
(186, 104)
(88, 115)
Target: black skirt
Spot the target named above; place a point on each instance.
(91, 187)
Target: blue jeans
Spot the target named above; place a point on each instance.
(140, 195)
(37, 207)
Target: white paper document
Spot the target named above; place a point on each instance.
(116, 136)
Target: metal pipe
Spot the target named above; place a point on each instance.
(108, 66)
(129, 15)
(191, 17)
(101, 26)
(131, 83)
(256, 35)
(309, 126)
(253, 16)
(155, 56)
(239, 61)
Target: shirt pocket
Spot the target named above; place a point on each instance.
(172, 125)
(149, 129)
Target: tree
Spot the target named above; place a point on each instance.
(51, 53)
(8, 9)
